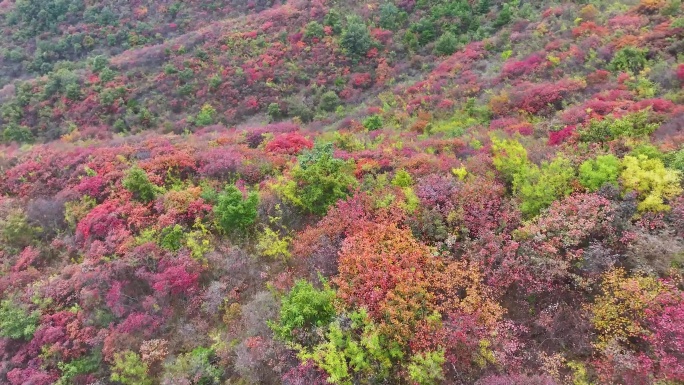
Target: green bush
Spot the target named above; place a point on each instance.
(43, 15)
(425, 29)
(233, 211)
(314, 29)
(271, 245)
(273, 111)
(137, 182)
(594, 173)
(391, 17)
(446, 44)
(676, 161)
(16, 133)
(373, 122)
(329, 101)
(426, 368)
(16, 322)
(171, 238)
(629, 59)
(319, 180)
(650, 151)
(15, 230)
(304, 308)
(128, 369)
(538, 187)
(356, 39)
(206, 115)
(509, 157)
(402, 179)
(73, 368)
(356, 353)
(297, 108)
(333, 20)
(635, 125)
(504, 17)
(196, 367)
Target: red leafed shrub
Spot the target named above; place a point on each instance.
(445, 104)
(598, 77)
(657, 105)
(517, 379)
(667, 338)
(558, 235)
(305, 374)
(534, 98)
(114, 298)
(252, 103)
(522, 128)
(602, 107)
(222, 162)
(289, 143)
(100, 221)
(384, 270)
(91, 185)
(27, 257)
(589, 28)
(382, 35)
(177, 276)
(514, 68)
(31, 376)
(502, 123)
(483, 208)
(628, 22)
(65, 333)
(560, 136)
(361, 80)
(438, 192)
(139, 323)
(680, 73)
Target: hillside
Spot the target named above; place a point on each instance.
(329, 191)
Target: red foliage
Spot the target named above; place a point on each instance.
(176, 276)
(657, 105)
(100, 221)
(65, 335)
(289, 143)
(383, 269)
(27, 257)
(560, 136)
(589, 28)
(32, 376)
(142, 323)
(515, 68)
(598, 77)
(668, 338)
(361, 80)
(534, 98)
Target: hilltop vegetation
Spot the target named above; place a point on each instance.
(310, 192)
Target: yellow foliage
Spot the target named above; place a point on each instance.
(651, 180)
(618, 311)
(460, 172)
(273, 246)
(198, 241)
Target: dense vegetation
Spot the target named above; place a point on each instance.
(308, 192)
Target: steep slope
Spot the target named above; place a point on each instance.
(410, 192)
